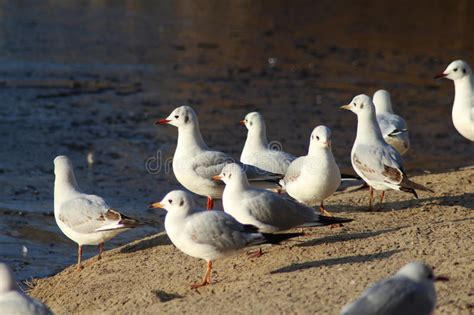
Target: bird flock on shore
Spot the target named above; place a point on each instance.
(264, 194)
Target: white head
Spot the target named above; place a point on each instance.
(63, 170)
(182, 116)
(456, 70)
(382, 102)
(420, 272)
(253, 121)
(176, 202)
(7, 281)
(361, 105)
(232, 173)
(320, 139)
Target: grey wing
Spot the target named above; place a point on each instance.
(382, 164)
(220, 230)
(84, 214)
(255, 174)
(210, 163)
(391, 296)
(391, 125)
(294, 170)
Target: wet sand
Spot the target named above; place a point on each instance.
(315, 274)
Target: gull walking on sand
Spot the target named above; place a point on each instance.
(377, 162)
(394, 128)
(463, 107)
(85, 219)
(312, 178)
(13, 300)
(194, 164)
(258, 152)
(410, 291)
(209, 235)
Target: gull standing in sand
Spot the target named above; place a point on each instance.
(463, 107)
(194, 164)
(312, 178)
(258, 152)
(85, 219)
(394, 128)
(13, 300)
(209, 235)
(377, 162)
(410, 291)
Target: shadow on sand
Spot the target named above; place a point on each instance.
(157, 240)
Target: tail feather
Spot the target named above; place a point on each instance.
(278, 238)
(350, 177)
(325, 220)
(409, 186)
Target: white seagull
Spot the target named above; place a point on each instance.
(312, 178)
(209, 235)
(463, 108)
(394, 128)
(377, 162)
(85, 219)
(194, 164)
(13, 300)
(410, 291)
(258, 152)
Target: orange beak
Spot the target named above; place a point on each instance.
(155, 205)
(242, 122)
(162, 121)
(440, 75)
(217, 177)
(348, 106)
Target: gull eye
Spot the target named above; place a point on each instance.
(170, 201)
(430, 276)
(317, 138)
(176, 116)
(455, 69)
(355, 105)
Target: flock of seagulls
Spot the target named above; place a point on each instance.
(264, 194)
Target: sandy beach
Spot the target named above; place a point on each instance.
(314, 274)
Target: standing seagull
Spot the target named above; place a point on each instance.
(85, 219)
(258, 152)
(13, 300)
(463, 108)
(194, 164)
(394, 128)
(312, 178)
(377, 162)
(208, 235)
(410, 291)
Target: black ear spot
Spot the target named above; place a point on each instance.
(361, 106)
(230, 175)
(464, 71)
(181, 203)
(250, 123)
(186, 118)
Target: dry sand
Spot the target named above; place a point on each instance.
(316, 274)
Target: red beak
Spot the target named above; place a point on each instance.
(440, 75)
(162, 121)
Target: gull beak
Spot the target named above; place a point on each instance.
(348, 107)
(440, 75)
(441, 278)
(217, 177)
(155, 205)
(162, 121)
(242, 122)
(326, 144)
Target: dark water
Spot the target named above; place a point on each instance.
(76, 76)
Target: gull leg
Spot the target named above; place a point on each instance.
(101, 250)
(255, 254)
(207, 277)
(371, 197)
(210, 203)
(328, 214)
(79, 257)
(382, 195)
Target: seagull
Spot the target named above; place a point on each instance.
(209, 235)
(312, 178)
(410, 291)
(268, 211)
(258, 152)
(463, 108)
(394, 128)
(13, 300)
(373, 159)
(85, 219)
(194, 164)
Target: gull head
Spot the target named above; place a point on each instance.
(382, 102)
(62, 165)
(231, 173)
(176, 201)
(7, 282)
(361, 104)
(180, 117)
(456, 70)
(321, 137)
(419, 272)
(253, 121)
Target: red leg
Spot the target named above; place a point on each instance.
(381, 196)
(101, 250)
(255, 254)
(210, 203)
(207, 277)
(79, 257)
(371, 197)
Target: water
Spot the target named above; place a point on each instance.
(82, 76)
